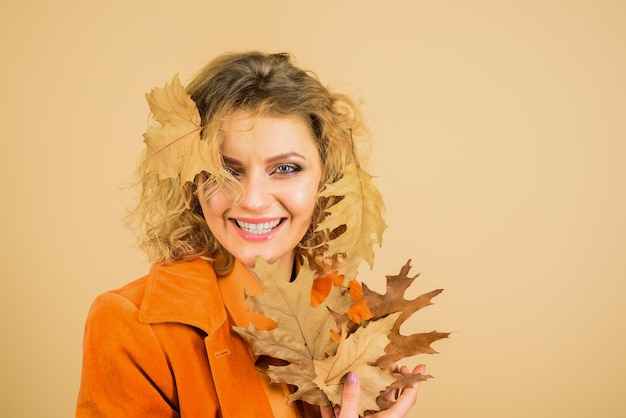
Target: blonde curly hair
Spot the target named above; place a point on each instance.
(168, 219)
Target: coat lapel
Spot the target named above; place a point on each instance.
(185, 293)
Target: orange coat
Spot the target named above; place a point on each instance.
(163, 346)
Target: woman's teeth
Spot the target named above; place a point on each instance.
(258, 229)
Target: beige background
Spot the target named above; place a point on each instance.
(500, 133)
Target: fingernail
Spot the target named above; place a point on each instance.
(351, 378)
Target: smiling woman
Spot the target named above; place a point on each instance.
(234, 171)
(276, 161)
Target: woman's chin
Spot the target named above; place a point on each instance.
(284, 264)
(251, 261)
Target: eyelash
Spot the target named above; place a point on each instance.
(281, 169)
(290, 169)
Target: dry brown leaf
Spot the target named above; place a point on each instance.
(393, 301)
(360, 211)
(173, 146)
(402, 381)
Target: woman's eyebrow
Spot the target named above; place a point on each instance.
(229, 160)
(284, 156)
(272, 159)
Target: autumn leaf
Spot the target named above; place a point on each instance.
(302, 332)
(360, 212)
(392, 302)
(174, 147)
(402, 381)
(355, 353)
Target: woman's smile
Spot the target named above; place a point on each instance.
(258, 229)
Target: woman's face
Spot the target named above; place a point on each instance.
(277, 162)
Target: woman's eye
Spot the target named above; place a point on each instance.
(230, 171)
(287, 169)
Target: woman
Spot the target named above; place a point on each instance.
(163, 346)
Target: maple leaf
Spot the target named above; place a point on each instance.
(174, 147)
(302, 333)
(360, 211)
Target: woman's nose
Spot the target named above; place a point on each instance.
(257, 195)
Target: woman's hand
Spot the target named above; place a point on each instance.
(352, 393)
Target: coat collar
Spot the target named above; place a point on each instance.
(183, 292)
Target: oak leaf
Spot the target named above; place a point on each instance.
(173, 146)
(392, 302)
(360, 211)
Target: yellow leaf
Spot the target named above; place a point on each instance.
(355, 353)
(174, 147)
(360, 211)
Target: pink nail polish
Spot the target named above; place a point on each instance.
(350, 378)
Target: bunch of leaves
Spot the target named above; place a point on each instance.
(317, 362)
(324, 328)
